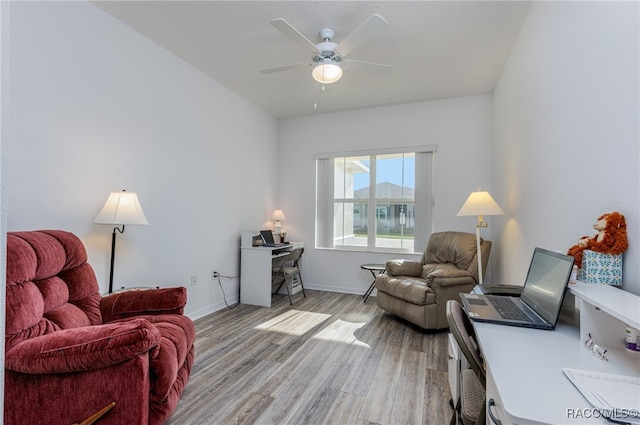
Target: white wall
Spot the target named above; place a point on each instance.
(96, 107)
(566, 132)
(461, 128)
(4, 75)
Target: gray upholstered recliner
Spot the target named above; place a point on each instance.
(418, 291)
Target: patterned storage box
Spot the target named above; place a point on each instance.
(601, 268)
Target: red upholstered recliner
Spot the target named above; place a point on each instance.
(70, 352)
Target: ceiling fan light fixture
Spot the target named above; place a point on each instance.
(327, 72)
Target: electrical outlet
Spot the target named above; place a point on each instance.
(194, 279)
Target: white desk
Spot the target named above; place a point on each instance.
(255, 272)
(524, 366)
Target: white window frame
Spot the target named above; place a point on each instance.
(424, 200)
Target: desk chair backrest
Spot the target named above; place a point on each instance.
(294, 256)
(471, 403)
(462, 329)
(288, 264)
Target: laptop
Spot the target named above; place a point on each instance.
(267, 239)
(542, 295)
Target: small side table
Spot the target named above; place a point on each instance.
(375, 269)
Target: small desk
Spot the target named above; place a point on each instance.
(524, 366)
(375, 269)
(255, 272)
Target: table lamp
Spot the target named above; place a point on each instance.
(480, 203)
(279, 217)
(122, 208)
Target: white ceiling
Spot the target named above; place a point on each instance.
(439, 49)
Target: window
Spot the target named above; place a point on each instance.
(374, 201)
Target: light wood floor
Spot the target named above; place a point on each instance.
(328, 359)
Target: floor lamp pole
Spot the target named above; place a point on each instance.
(479, 253)
(480, 203)
(481, 223)
(113, 255)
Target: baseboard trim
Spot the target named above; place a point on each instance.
(194, 315)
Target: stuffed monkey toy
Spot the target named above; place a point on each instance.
(610, 239)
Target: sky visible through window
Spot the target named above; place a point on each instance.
(387, 171)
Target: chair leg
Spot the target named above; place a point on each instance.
(286, 285)
(274, 276)
(279, 286)
(302, 285)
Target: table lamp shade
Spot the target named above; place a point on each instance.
(480, 203)
(278, 215)
(122, 208)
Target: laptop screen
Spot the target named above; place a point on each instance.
(267, 237)
(546, 282)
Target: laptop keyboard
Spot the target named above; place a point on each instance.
(509, 311)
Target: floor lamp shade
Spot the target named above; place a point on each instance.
(480, 203)
(122, 208)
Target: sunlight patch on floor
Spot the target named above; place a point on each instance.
(341, 331)
(294, 322)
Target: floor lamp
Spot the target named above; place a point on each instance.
(480, 203)
(122, 208)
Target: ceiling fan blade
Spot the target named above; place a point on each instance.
(284, 68)
(369, 67)
(287, 29)
(361, 34)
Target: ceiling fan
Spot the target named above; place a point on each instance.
(327, 57)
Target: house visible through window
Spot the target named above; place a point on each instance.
(375, 201)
